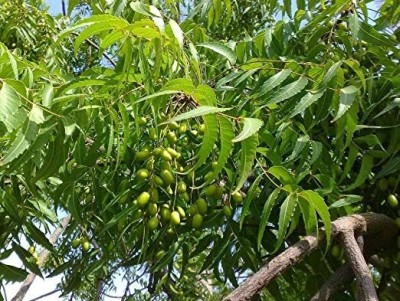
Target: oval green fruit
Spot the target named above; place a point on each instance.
(227, 211)
(85, 245)
(153, 134)
(210, 190)
(214, 165)
(157, 151)
(201, 205)
(153, 195)
(237, 197)
(175, 218)
(31, 249)
(152, 209)
(173, 125)
(150, 164)
(181, 187)
(142, 155)
(142, 174)
(167, 176)
(181, 211)
(142, 121)
(76, 243)
(143, 199)
(392, 201)
(165, 213)
(209, 176)
(171, 137)
(183, 128)
(152, 224)
(202, 128)
(138, 214)
(335, 251)
(197, 221)
(165, 155)
(185, 196)
(193, 210)
(158, 181)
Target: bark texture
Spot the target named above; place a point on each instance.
(376, 230)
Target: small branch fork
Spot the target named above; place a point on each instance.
(357, 233)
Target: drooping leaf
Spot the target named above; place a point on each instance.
(221, 49)
(11, 273)
(247, 157)
(250, 196)
(197, 112)
(250, 127)
(177, 31)
(347, 96)
(209, 139)
(282, 174)
(274, 81)
(268, 205)
(288, 91)
(9, 104)
(306, 101)
(365, 169)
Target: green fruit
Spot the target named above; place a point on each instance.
(153, 134)
(169, 190)
(183, 128)
(173, 125)
(165, 213)
(336, 251)
(85, 245)
(214, 165)
(142, 121)
(185, 196)
(165, 155)
(138, 214)
(342, 26)
(219, 193)
(75, 243)
(227, 211)
(150, 164)
(201, 205)
(202, 128)
(152, 209)
(142, 174)
(152, 224)
(237, 197)
(173, 152)
(175, 218)
(171, 137)
(210, 190)
(157, 151)
(167, 176)
(123, 185)
(158, 181)
(197, 221)
(143, 199)
(383, 184)
(181, 187)
(142, 155)
(392, 201)
(153, 195)
(192, 210)
(208, 176)
(31, 249)
(181, 211)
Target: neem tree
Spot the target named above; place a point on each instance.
(185, 145)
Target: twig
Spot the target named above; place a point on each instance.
(45, 295)
(64, 11)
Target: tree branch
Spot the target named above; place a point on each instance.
(19, 296)
(378, 231)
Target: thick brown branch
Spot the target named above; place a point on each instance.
(378, 231)
(19, 296)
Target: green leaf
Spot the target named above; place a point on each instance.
(282, 174)
(247, 157)
(141, 8)
(332, 71)
(366, 168)
(309, 215)
(391, 166)
(177, 31)
(221, 49)
(269, 204)
(318, 203)
(209, 139)
(91, 31)
(346, 200)
(370, 35)
(306, 101)
(11, 273)
(226, 133)
(347, 96)
(273, 82)
(285, 215)
(251, 194)
(250, 127)
(38, 236)
(24, 255)
(288, 91)
(197, 112)
(9, 104)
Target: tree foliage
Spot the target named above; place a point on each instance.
(190, 141)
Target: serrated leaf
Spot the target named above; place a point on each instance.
(226, 134)
(177, 31)
(269, 204)
(287, 209)
(322, 209)
(141, 8)
(346, 200)
(250, 127)
(274, 81)
(221, 49)
(331, 72)
(209, 139)
(197, 112)
(309, 216)
(394, 104)
(251, 194)
(9, 104)
(365, 169)
(306, 101)
(11, 273)
(282, 174)
(91, 31)
(247, 157)
(288, 91)
(347, 96)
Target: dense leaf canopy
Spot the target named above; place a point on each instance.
(190, 141)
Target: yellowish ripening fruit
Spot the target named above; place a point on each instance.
(392, 201)
(152, 224)
(175, 218)
(167, 177)
(143, 199)
(142, 155)
(237, 197)
(142, 174)
(181, 187)
(165, 155)
(85, 245)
